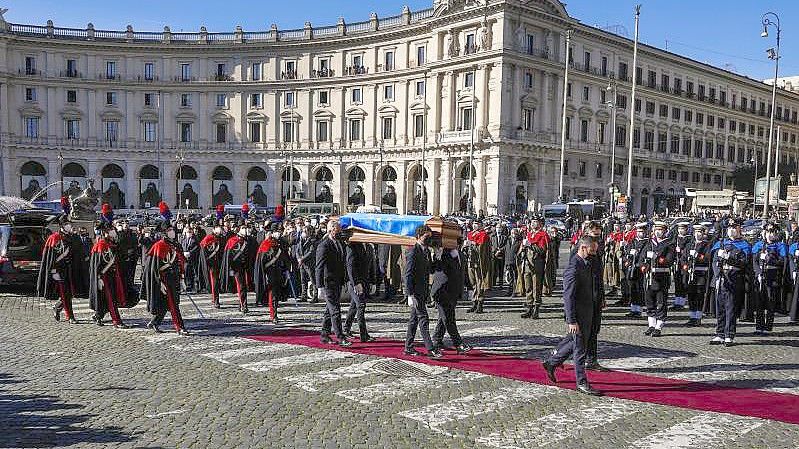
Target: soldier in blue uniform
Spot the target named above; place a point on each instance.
(731, 265)
(695, 271)
(769, 262)
(658, 258)
(633, 262)
(793, 261)
(680, 277)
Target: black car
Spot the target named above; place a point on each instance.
(22, 237)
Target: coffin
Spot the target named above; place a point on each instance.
(398, 229)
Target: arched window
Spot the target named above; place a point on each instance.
(256, 174)
(357, 174)
(148, 172)
(112, 171)
(73, 170)
(295, 174)
(187, 172)
(222, 173)
(522, 174)
(324, 174)
(32, 169)
(389, 174)
(465, 172)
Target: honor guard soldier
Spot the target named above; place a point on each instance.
(633, 265)
(55, 279)
(658, 257)
(210, 262)
(236, 266)
(731, 265)
(271, 263)
(695, 272)
(532, 267)
(680, 242)
(106, 286)
(161, 279)
(622, 250)
(769, 263)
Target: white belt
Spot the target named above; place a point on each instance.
(661, 270)
(730, 267)
(701, 268)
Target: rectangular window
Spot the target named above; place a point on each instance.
(470, 46)
(185, 100)
(603, 98)
(322, 134)
(689, 116)
(72, 96)
(111, 130)
(291, 70)
(221, 133)
(700, 118)
(73, 129)
(388, 60)
(583, 130)
(621, 135)
(289, 100)
(468, 80)
(675, 113)
(148, 99)
(221, 100)
(623, 70)
(221, 70)
(30, 94)
(255, 71)
(659, 174)
(646, 172)
(72, 68)
(324, 98)
(568, 128)
(621, 101)
(650, 107)
(149, 71)
(357, 61)
(185, 72)
(255, 131)
(420, 88)
(528, 80)
(288, 132)
(604, 66)
(355, 130)
(388, 127)
(110, 69)
(637, 105)
(527, 119)
(581, 168)
(587, 61)
(255, 100)
(601, 133)
(649, 140)
(388, 92)
(664, 110)
(32, 127)
(149, 131)
(662, 142)
(356, 95)
(467, 119)
(110, 98)
(185, 132)
(530, 44)
(418, 125)
(651, 80)
(421, 55)
(586, 93)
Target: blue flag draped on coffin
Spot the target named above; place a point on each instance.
(399, 225)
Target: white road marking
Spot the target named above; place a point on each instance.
(714, 376)
(555, 427)
(266, 348)
(632, 363)
(436, 415)
(296, 360)
(706, 430)
(209, 343)
(786, 386)
(402, 386)
(487, 331)
(173, 412)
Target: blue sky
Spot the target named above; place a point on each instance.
(722, 33)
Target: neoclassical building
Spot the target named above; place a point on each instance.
(414, 110)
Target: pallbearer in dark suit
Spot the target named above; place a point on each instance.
(331, 277)
(448, 284)
(417, 287)
(581, 289)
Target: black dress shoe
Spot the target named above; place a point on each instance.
(121, 326)
(586, 389)
(326, 340)
(368, 340)
(184, 332)
(435, 354)
(151, 325)
(56, 314)
(412, 352)
(73, 321)
(657, 333)
(649, 330)
(349, 334)
(550, 370)
(463, 349)
(597, 367)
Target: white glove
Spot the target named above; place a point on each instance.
(721, 254)
(232, 273)
(793, 275)
(650, 254)
(320, 292)
(796, 253)
(163, 288)
(679, 250)
(186, 254)
(762, 256)
(372, 289)
(359, 289)
(692, 252)
(100, 284)
(469, 294)
(56, 277)
(412, 301)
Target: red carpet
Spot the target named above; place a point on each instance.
(623, 385)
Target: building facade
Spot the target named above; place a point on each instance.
(423, 111)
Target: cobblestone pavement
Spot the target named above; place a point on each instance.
(88, 386)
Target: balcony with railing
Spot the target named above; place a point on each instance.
(355, 70)
(222, 77)
(322, 73)
(289, 75)
(458, 136)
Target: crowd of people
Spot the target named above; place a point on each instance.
(713, 271)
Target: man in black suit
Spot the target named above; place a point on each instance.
(448, 283)
(358, 261)
(417, 287)
(330, 278)
(581, 289)
(499, 240)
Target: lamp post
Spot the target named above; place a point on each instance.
(563, 118)
(771, 19)
(753, 161)
(632, 111)
(61, 171)
(380, 176)
(612, 106)
(471, 146)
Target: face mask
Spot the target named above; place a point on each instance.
(699, 236)
(67, 228)
(275, 235)
(732, 233)
(659, 234)
(305, 235)
(771, 237)
(119, 228)
(146, 234)
(170, 234)
(112, 234)
(217, 231)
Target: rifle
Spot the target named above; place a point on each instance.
(183, 282)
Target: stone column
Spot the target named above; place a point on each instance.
(544, 119)
(206, 187)
(481, 93)
(434, 181)
(447, 102)
(369, 185)
(445, 197)
(402, 186)
(131, 183)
